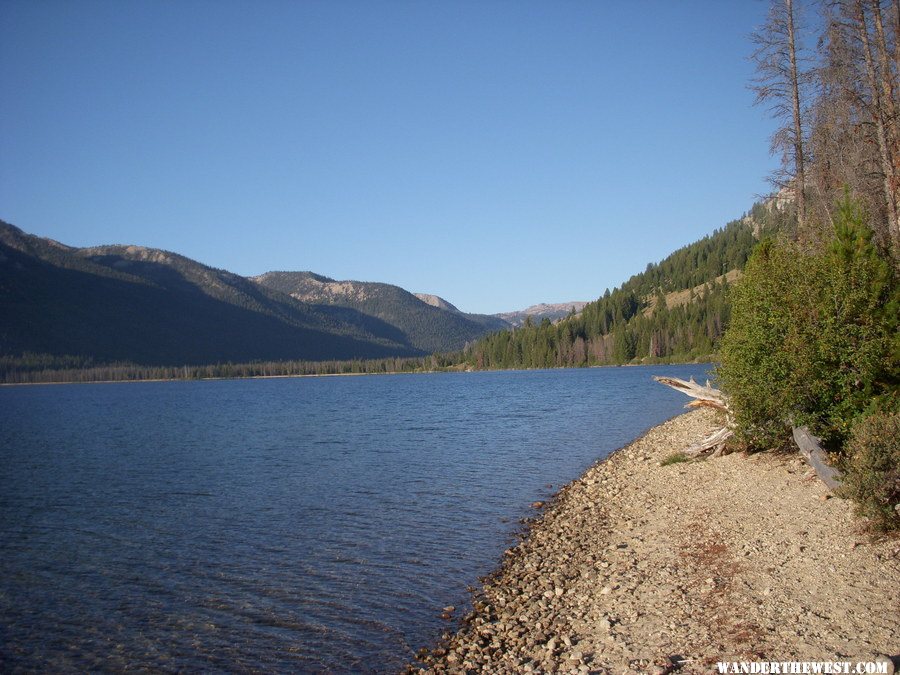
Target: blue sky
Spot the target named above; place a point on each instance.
(497, 154)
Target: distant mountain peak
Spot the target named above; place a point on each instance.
(306, 274)
(543, 310)
(145, 305)
(429, 326)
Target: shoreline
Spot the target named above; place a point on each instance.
(212, 379)
(738, 558)
(393, 372)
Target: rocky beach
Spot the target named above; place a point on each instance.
(640, 567)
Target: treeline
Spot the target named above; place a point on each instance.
(45, 369)
(815, 329)
(633, 322)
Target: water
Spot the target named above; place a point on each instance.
(294, 524)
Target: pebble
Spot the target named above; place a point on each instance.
(663, 542)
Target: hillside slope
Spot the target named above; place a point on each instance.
(425, 326)
(128, 303)
(674, 310)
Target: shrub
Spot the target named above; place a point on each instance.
(755, 365)
(872, 475)
(811, 335)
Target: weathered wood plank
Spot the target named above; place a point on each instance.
(816, 457)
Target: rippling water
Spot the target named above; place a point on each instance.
(291, 524)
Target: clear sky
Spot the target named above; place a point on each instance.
(495, 153)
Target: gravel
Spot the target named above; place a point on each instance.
(636, 567)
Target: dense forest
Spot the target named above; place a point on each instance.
(636, 322)
(45, 369)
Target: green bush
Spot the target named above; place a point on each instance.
(872, 475)
(813, 336)
(755, 365)
(675, 458)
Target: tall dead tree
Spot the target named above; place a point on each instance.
(780, 82)
(834, 130)
(888, 85)
(882, 109)
(853, 126)
(889, 109)
(895, 22)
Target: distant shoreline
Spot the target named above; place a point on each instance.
(212, 379)
(358, 374)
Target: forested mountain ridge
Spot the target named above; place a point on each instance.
(633, 322)
(127, 303)
(427, 327)
(124, 303)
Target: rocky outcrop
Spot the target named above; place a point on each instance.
(436, 301)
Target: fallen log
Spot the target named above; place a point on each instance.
(816, 457)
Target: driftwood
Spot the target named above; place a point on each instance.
(714, 444)
(707, 396)
(816, 457)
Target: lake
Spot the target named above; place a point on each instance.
(303, 524)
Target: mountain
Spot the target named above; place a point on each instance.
(428, 327)
(68, 307)
(488, 322)
(147, 306)
(543, 311)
